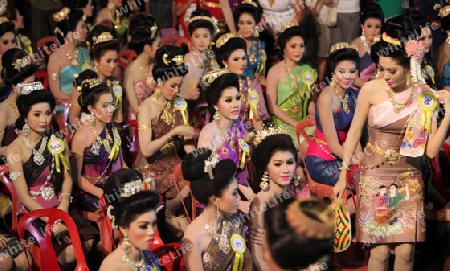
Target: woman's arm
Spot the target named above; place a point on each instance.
(257, 223)
(181, 8)
(438, 135)
(325, 104)
(271, 95)
(192, 257)
(66, 189)
(75, 109)
(53, 74)
(228, 14)
(299, 10)
(3, 124)
(129, 83)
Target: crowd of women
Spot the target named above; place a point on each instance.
(219, 165)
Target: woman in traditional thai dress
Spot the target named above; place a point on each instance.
(402, 120)
(216, 236)
(9, 36)
(38, 168)
(110, 16)
(133, 212)
(290, 84)
(230, 53)
(334, 113)
(164, 137)
(138, 81)
(95, 145)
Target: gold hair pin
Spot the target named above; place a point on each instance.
(224, 39)
(3, 6)
(153, 29)
(93, 82)
(287, 25)
(268, 131)
(209, 77)
(342, 45)
(443, 11)
(21, 63)
(25, 89)
(103, 37)
(249, 2)
(212, 20)
(179, 59)
(63, 14)
(3, 20)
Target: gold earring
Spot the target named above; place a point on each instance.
(95, 69)
(265, 185)
(408, 79)
(218, 213)
(217, 117)
(333, 82)
(26, 129)
(378, 74)
(92, 119)
(256, 33)
(157, 92)
(126, 246)
(110, 5)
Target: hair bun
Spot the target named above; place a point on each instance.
(193, 164)
(169, 55)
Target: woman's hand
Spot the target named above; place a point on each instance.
(341, 184)
(444, 98)
(3, 241)
(182, 130)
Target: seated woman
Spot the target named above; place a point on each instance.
(133, 212)
(104, 51)
(290, 84)
(138, 81)
(95, 145)
(108, 15)
(334, 113)
(13, 258)
(230, 53)
(275, 160)
(164, 137)
(41, 174)
(299, 234)
(8, 36)
(217, 235)
(17, 71)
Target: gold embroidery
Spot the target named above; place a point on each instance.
(54, 76)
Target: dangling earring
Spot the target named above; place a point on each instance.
(95, 69)
(110, 5)
(265, 185)
(378, 74)
(217, 117)
(362, 33)
(92, 119)
(157, 92)
(126, 246)
(408, 79)
(256, 33)
(333, 82)
(218, 213)
(26, 129)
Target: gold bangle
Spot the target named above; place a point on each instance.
(344, 169)
(144, 127)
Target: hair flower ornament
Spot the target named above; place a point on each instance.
(211, 163)
(415, 49)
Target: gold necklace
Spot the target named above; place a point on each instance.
(167, 116)
(148, 78)
(447, 40)
(229, 138)
(343, 100)
(294, 83)
(399, 106)
(74, 61)
(12, 102)
(139, 266)
(99, 141)
(221, 238)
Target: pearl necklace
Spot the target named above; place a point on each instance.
(139, 266)
(366, 45)
(38, 158)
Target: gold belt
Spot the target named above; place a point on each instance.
(391, 155)
(210, 4)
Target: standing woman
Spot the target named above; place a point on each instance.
(138, 81)
(290, 84)
(165, 137)
(108, 15)
(216, 236)
(96, 144)
(402, 118)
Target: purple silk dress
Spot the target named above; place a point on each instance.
(261, 113)
(367, 68)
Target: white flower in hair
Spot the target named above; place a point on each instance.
(211, 163)
(131, 188)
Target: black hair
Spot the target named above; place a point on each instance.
(267, 148)
(25, 101)
(201, 23)
(90, 96)
(67, 25)
(75, 3)
(393, 184)
(86, 74)
(202, 186)
(114, 183)
(214, 91)
(372, 11)
(418, 18)
(141, 33)
(445, 22)
(165, 67)
(224, 52)
(401, 28)
(10, 74)
(287, 248)
(104, 3)
(98, 50)
(7, 27)
(338, 56)
(289, 33)
(255, 12)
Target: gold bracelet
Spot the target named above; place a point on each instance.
(144, 127)
(344, 169)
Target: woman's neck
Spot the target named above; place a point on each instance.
(134, 254)
(70, 45)
(210, 216)
(276, 189)
(290, 64)
(225, 123)
(400, 88)
(143, 60)
(34, 136)
(99, 125)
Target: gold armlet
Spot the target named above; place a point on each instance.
(54, 76)
(344, 169)
(76, 154)
(72, 105)
(144, 127)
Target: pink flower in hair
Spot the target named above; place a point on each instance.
(415, 49)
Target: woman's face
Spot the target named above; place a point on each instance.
(87, 10)
(142, 231)
(7, 42)
(81, 30)
(171, 87)
(371, 28)
(229, 103)
(281, 167)
(236, 62)
(345, 73)
(394, 74)
(104, 108)
(228, 201)
(201, 38)
(295, 47)
(426, 38)
(18, 22)
(382, 191)
(107, 64)
(246, 25)
(39, 117)
(117, 3)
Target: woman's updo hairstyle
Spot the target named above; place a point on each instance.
(372, 11)
(114, 183)
(339, 55)
(91, 89)
(7, 26)
(444, 14)
(25, 101)
(84, 75)
(399, 28)
(232, 43)
(102, 39)
(418, 18)
(169, 63)
(143, 31)
(254, 11)
(267, 148)
(17, 66)
(66, 21)
(195, 24)
(75, 3)
(202, 186)
(214, 91)
(286, 35)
